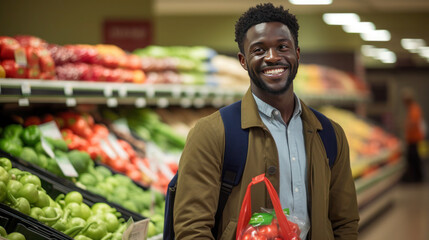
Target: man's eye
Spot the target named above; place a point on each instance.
(283, 47)
(258, 50)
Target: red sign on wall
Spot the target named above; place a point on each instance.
(128, 34)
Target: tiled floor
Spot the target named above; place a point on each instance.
(407, 218)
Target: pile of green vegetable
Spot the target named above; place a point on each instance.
(11, 235)
(67, 213)
(122, 190)
(147, 125)
(25, 143)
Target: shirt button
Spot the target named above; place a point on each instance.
(276, 112)
(293, 158)
(272, 170)
(296, 190)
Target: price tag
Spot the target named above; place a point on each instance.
(123, 91)
(23, 102)
(71, 102)
(68, 89)
(47, 148)
(147, 171)
(65, 166)
(20, 57)
(185, 102)
(176, 92)
(112, 102)
(140, 103)
(217, 102)
(108, 91)
(25, 88)
(199, 102)
(190, 91)
(50, 129)
(107, 149)
(128, 229)
(150, 92)
(162, 102)
(116, 147)
(121, 125)
(204, 92)
(138, 230)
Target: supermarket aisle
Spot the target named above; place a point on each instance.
(407, 218)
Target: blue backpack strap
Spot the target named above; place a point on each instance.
(236, 143)
(169, 206)
(235, 155)
(327, 134)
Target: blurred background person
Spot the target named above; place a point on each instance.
(414, 133)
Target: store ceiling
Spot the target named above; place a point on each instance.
(402, 18)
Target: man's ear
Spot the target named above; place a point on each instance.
(242, 60)
(298, 52)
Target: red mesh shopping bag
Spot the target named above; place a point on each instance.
(280, 228)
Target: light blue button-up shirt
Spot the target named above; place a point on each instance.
(292, 160)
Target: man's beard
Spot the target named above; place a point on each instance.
(261, 84)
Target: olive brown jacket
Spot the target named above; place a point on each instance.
(332, 202)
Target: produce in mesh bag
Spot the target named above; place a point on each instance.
(264, 226)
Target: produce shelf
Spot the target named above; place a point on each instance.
(55, 185)
(71, 93)
(27, 91)
(374, 190)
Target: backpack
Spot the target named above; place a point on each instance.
(236, 144)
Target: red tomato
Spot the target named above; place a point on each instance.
(32, 56)
(118, 164)
(32, 120)
(13, 70)
(270, 231)
(135, 175)
(100, 130)
(8, 46)
(249, 233)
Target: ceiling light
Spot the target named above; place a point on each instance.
(388, 57)
(311, 2)
(340, 18)
(412, 44)
(359, 27)
(368, 50)
(376, 35)
(424, 52)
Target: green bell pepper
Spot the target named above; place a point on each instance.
(31, 135)
(12, 131)
(5, 163)
(11, 146)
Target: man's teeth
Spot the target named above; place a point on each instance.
(274, 71)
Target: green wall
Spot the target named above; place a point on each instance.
(68, 22)
(81, 22)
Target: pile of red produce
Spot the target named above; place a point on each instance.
(26, 57)
(102, 63)
(81, 133)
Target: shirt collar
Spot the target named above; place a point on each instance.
(269, 110)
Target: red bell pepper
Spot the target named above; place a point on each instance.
(8, 46)
(13, 70)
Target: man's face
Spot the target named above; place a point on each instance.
(270, 57)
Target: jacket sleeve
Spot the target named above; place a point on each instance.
(343, 208)
(198, 182)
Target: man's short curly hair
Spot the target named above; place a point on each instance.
(261, 13)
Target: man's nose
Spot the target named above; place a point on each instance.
(272, 55)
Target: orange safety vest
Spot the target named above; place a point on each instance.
(413, 127)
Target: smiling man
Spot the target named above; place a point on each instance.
(283, 143)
